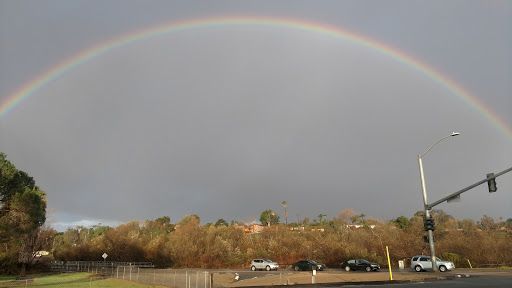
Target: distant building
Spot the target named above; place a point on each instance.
(358, 226)
(41, 253)
(254, 228)
(318, 229)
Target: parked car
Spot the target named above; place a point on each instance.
(360, 264)
(264, 264)
(421, 263)
(307, 265)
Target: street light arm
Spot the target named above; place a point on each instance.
(453, 134)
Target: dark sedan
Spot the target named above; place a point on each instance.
(360, 264)
(307, 265)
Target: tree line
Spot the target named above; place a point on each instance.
(189, 244)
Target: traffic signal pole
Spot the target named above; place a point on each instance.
(427, 215)
(456, 194)
(425, 203)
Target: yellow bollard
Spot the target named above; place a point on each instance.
(389, 265)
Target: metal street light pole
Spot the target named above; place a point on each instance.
(425, 203)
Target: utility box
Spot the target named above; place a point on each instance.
(401, 264)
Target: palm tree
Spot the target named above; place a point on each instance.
(321, 218)
(285, 213)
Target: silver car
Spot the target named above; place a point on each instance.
(263, 264)
(421, 263)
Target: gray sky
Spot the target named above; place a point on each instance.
(229, 121)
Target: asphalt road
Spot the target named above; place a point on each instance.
(455, 279)
(248, 274)
(478, 281)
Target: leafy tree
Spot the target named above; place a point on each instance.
(402, 222)
(221, 222)
(358, 218)
(164, 221)
(268, 217)
(487, 223)
(285, 213)
(420, 213)
(239, 223)
(22, 210)
(346, 214)
(188, 218)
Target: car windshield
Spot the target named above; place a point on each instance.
(364, 261)
(267, 260)
(312, 262)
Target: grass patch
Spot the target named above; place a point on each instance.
(6, 278)
(73, 280)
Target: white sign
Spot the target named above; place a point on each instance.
(104, 256)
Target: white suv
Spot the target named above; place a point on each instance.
(421, 263)
(260, 264)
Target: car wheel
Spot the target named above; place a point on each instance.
(347, 268)
(253, 268)
(418, 268)
(267, 268)
(296, 268)
(442, 268)
(368, 268)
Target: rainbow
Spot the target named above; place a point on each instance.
(30, 88)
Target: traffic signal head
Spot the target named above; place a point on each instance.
(491, 183)
(430, 224)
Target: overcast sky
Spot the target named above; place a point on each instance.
(229, 121)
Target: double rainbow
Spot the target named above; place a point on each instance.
(30, 88)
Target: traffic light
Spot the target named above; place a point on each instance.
(491, 183)
(425, 239)
(430, 224)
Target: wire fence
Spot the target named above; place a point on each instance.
(141, 272)
(165, 277)
(145, 276)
